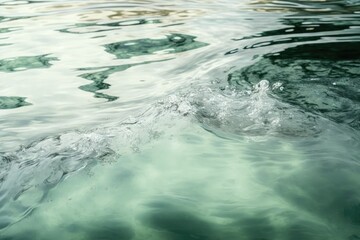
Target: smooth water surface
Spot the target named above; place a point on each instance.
(180, 120)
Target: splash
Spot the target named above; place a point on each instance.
(27, 175)
(252, 112)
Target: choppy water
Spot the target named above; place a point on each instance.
(180, 120)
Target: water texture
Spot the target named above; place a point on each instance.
(99, 77)
(180, 120)
(12, 102)
(323, 83)
(24, 63)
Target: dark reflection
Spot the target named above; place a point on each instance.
(98, 78)
(308, 6)
(25, 63)
(5, 30)
(289, 40)
(7, 19)
(301, 29)
(320, 78)
(339, 51)
(308, 21)
(173, 43)
(318, 70)
(12, 102)
(82, 28)
(309, 26)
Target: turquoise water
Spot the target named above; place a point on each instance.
(180, 120)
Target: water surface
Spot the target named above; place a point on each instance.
(180, 120)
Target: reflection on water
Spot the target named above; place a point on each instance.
(7, 19)
(99, 77)
(5, 30)
(300, 28)
(82, 28)
(161, 12)
(173, 43)
(25, 63)
(318, 71)
(12, 102)
(261, 143)
(308, 7)
(320, 78)
(303, 31)
(309, 26)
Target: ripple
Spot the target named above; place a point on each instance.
(242, 190)
(308, 29)
(26, 63)
(28, 174)
(313, 56)
(84, 28)
(264, 147)
(12, 102)
(319, 78)
(17, 2)
(99, 77)
(307, 7)
(173, 43)
(8, 19)
(5, 30)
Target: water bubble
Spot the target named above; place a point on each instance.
(262, 86)
(277, 85)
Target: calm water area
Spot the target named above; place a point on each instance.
(180, 120)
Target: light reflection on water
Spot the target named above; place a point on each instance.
(157, 120)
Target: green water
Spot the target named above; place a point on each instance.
(183, 120)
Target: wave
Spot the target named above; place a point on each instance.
(36, 168)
